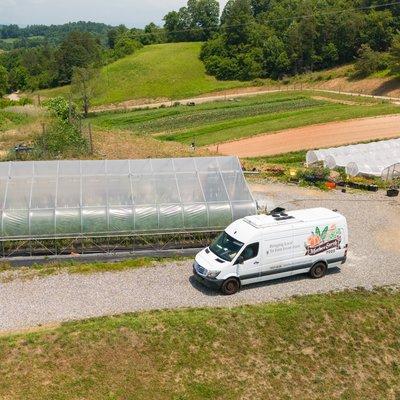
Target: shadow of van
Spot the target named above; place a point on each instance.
(211, 292)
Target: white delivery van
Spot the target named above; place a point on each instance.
(266, 247)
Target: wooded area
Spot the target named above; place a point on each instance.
(274, 38)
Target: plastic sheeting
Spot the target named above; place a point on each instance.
(363, 159)
(101, 198)
(391, 172)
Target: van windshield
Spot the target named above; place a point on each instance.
(226, 247)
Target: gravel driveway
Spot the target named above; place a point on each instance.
(374, 223)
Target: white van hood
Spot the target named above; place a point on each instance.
(209, 261)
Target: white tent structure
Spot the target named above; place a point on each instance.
(381, 159)
(84, 199)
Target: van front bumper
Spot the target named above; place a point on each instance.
(211, 283)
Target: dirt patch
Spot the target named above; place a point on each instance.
(375, 86)
(315, 136)
(132, 104)
(123, 145)
(13, 96)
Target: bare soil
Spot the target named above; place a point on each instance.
(124, 145)
(314, 136)
(374, 86)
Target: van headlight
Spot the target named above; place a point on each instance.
(213, 274)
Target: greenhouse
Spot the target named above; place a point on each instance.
(71, 199)
(372, 159)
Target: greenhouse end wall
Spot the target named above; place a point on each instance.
(63, 199)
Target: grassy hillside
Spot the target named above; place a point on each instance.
(170, 70)
(334, 346)
(226, 120)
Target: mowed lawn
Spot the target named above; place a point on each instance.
(334, 346)
(171, 70)
(223, 121)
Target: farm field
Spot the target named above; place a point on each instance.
(209, 354)
(162, 71)
(331, 134)
(223, 121)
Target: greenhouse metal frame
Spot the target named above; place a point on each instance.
(109, 201)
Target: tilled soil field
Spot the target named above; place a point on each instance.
(314, 136)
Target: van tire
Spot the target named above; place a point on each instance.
(318, 270)
(230, 286)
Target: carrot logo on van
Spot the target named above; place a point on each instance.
(324, 239)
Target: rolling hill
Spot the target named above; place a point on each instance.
(171, 70)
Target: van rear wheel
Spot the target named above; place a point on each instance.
(230, 286)
(318, 270)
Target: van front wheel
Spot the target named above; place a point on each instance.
(230, 286)
(318, 270)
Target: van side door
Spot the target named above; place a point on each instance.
(278, 254)
(249, 270)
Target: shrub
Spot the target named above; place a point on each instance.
(368, 62)
(222, 68)
(61, 108)
(126, 46)
(60, 138)
(314, 174)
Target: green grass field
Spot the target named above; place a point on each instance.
(170, 70)
(333, 346)
(229, 120)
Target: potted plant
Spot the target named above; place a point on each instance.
(393, 190)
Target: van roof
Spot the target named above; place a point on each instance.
(291, 217)
(248, 229)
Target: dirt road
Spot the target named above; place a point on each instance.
(229, 94)
(314, 136)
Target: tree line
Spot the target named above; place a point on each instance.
(38, 63)
(251, 39)
(53, 34)
(274, 38)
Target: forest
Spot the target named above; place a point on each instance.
(274, 38)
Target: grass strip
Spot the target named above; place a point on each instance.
(331, 346)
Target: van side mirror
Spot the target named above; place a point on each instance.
(240, 260)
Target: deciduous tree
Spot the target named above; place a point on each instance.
(394, 55)
(85, 82)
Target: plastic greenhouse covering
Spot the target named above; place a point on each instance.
(373, 159)
(62, 199)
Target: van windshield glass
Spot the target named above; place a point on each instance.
(226, 247)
